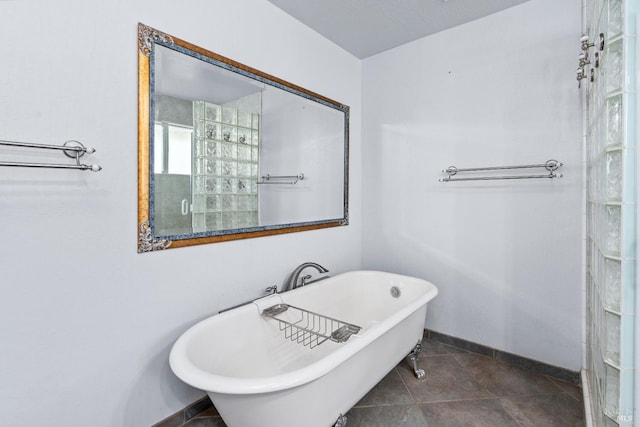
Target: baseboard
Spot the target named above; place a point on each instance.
(186, 414)
(512, 359)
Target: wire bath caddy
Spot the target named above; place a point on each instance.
(308, 328)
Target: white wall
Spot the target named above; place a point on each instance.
(86, 323)
(505, 255)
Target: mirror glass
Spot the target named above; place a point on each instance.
(229, 152)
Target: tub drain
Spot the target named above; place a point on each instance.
(395, 292)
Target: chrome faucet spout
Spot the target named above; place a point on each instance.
(294, 278)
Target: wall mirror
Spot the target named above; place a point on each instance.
(228, 152)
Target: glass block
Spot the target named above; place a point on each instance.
(612, 237)
(244, 203)
(245, 219)
(229, 115)
(244, 153)
(198, 204)
(228, 168)
(613, 284)
(211, 130)
(244, 169)
(198, 129)
(254, 203)
(255, 137)
(214, 221)
(614, 120)
(254, 154)
(229, 150)
(198, 147)
(244, 119)
(198, 184)
(211, 166)
(198, 222)
(212, 112)
(597, 177)
(212, 185)
(614, 63)
(228, 220)
(244, 136)
(212, 148)
(614, 175)
(255, 121)
(230, 185)
(198, 110)
(612, 347)
(601, 134)
(198, 167)
(612, 391)
(213, 203)
(244, 186)
(615, 23)
(230, 133)
(600, 274)
(228, 202)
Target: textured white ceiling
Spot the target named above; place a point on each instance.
(368, 27)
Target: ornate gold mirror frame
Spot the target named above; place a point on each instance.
(148, 38)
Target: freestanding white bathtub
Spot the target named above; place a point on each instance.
(256, 375)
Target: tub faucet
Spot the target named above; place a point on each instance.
(292, 281)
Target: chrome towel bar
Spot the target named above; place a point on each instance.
(549, 165)
(72, 148)
(281, 179)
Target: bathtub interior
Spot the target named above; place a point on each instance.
(242, 344)
(361, 298)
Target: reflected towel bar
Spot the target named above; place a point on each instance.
(550, 165)
(281, 179)
(72, 148)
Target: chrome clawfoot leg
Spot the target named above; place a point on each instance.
(413, 357)
(341, 421)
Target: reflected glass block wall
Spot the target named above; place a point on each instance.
(611, 209)
(225, 189)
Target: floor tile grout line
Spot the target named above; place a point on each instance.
(508, 413)
(484, 387)
(458, 400)
(496, 399)
(558, 390)
(404, 383)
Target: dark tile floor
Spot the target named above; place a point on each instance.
(460, 389)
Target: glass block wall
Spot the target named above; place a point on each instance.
(611, 210)
(226, 146)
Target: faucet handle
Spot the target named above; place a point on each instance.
(272, 290)
(303, 280)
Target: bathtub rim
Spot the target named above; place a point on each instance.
(204, 380)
